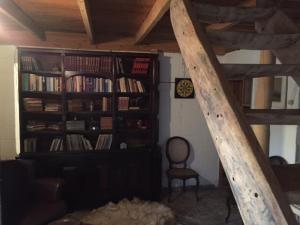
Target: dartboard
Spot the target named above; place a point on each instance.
(184, 88)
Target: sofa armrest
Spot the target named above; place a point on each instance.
(48, 189)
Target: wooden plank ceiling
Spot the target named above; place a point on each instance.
(105, 24)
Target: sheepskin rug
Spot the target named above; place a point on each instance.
(135, 212)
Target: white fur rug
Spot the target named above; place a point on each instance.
(135, 212)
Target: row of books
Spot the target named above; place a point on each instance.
(30, 144)
(33, 82)
(128, 85)
(102, 104)
(88, 84)
(140, 66)
(78, 142)
(101, 64)
(29, 63)
(126, 103)
(104, 142)
(33, 125)
(106, 123)
(57, 145)
(38, 105)
(134, 66)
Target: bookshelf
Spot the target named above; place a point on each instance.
(85, 109)
(73, 95)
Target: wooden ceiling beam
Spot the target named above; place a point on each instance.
(245, 71)
(13, 11)
(223, 26)
(87, 19)
(252, 41)
(273, 116)
(79, 41)
(219, 14)
(157, 11)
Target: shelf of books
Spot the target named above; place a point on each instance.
(77, 102)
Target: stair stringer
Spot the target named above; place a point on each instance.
(256, 190)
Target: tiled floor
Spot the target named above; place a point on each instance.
(209, 210)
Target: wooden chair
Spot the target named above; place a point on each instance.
(178, 151)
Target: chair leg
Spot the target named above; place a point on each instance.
(228, 203)
(184, 187)
(197, 187)
(169, 188)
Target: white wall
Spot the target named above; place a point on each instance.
(283, 137)
(9, 141)
(183, 117)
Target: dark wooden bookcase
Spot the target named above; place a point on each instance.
(91, 118)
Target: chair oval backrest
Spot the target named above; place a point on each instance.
(277, 160)
(178, 150)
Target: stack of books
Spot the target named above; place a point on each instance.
(123, 103)
(55, 126)
(77, 142)
(29, 63)
(101, 64)
(75, 105)
(76, 125)
(88, 84)
(106, 123)
(53, 106)
(140, 66)
(130, 85)
(33, 82)
(33, 125)
(36, 125)
(104, 142)
(30, 144)
(56, 145)
(33, 104)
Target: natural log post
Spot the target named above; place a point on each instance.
(263, 100)
(254, 185)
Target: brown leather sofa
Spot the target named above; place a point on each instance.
(25, 200)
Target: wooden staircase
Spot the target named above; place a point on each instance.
(256, 190)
